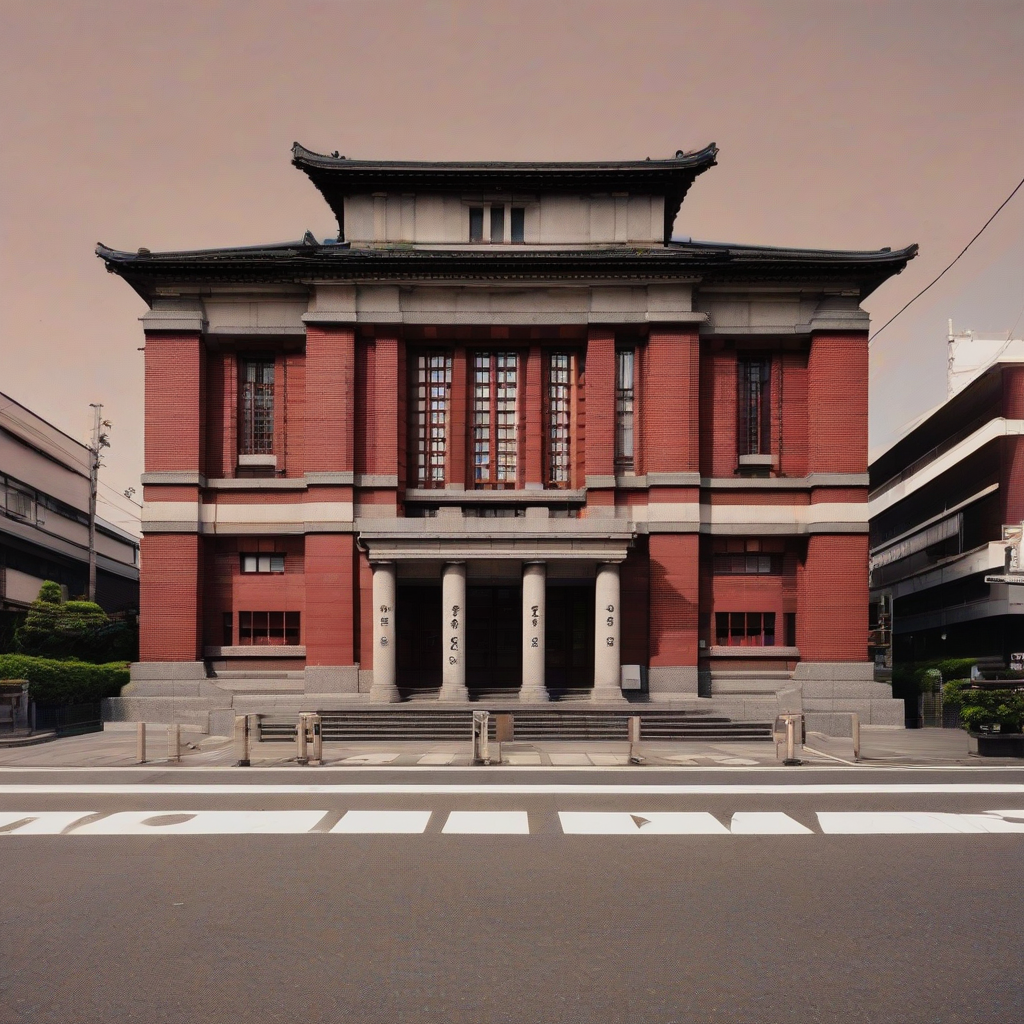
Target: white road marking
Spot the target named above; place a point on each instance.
(39, 823)
(658, 823)
(517, 789)
(378, 758)
(383, 822)
(201, 823)
(904, 822)
(767, 823)
(487, 823)
(436, 758)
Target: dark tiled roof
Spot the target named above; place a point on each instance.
(307, 260)
(337, 176)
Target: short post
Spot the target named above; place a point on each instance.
(32, 717)
(140, 742)
(301, 749)
(634, 740)
(174, 743)
(481, 750)
(855, 728)
(792, 722)
(315, 725)
(242, 740)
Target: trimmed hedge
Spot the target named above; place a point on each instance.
(65, 682)
(1004, 708)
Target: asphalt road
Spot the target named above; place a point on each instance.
(605, 895)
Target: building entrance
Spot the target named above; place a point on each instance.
(494, 637)
(418, 636)
(569, 638)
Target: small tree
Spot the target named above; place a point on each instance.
(72, 629)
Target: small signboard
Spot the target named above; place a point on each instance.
(1017, 661)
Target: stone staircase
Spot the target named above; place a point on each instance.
(404, 722)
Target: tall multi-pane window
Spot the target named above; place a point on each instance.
(257, 428)
(495, 435)
(754, 406)
(560, 367)
(624, 399)
(433, 389)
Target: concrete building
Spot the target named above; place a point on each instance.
(44, 528)
(505, 435)
(946, 501)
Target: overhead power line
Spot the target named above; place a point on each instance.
(962, 251)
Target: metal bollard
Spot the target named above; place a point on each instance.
(301, 750)
(317, 736)
(481, 750)
(242, 740)
(634, 740)
(174, 743)
(792, 722)
(140, 742)
(855, 728)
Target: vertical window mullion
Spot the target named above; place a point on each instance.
(559, 418)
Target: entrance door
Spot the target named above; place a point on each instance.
(494, 637)
(569, 638)
(418, 635)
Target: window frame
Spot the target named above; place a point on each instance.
(269, 629)
(430, 462)
(754, 407)
(252, 412)
(625, 409)
(492, 421)
(558, 463)
(270, 556)
(751, 629)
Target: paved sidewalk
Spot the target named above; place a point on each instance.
(116, 747)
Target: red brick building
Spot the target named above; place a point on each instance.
(505, 433)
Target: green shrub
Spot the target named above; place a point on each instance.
(1004, 708)
(73, 629)
(65, 682)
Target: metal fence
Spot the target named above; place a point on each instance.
(69, 719)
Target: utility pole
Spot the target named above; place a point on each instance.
(99, 442)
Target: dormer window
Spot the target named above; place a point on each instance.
(505, 223)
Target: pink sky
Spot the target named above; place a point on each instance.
(848, 125)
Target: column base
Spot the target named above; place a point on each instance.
(534, 695)
(610, 695)
(384, 693)
(454, 693)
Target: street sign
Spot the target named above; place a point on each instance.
(1014, 578)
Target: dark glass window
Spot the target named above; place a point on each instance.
(790, 625)
(497, 223)
(745, 629)
(754, 407)
(476, 223)
(257, 433)
(624, 402)
(747, 564)
(228, 633)
(263, 629)
(518, 224)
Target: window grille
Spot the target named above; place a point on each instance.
(268, 629)
(624, 399)
(495, 427)
(433, 389)
(745, 629)
(258, 408)
(262, 563)
(754, 406)
(559, 419)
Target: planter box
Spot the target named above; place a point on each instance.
(996, 744)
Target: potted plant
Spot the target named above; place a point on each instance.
(992, 715)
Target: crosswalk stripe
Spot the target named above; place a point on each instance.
(910, 822)
(383, 822)
(199, 823)
(659, 823)
(487, 823)
(38, 823)
(767, 823)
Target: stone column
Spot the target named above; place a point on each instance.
(534, 579)
(607, 682)
(384, 588)
(453, 632)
